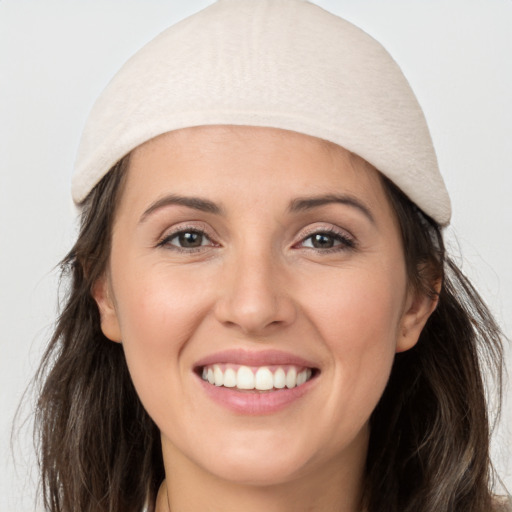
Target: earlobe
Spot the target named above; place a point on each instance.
(102, 294)
(418, 310)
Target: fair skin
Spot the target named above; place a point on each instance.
(232, 238)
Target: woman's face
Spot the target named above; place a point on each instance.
(242, 257)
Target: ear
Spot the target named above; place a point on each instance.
(102, 294)
(419, 307)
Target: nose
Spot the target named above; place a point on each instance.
(254, 296)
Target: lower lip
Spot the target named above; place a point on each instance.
(253, 402)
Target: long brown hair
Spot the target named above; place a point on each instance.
(430, 432)
(99, 451)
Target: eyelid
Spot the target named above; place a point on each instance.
(199, 227)
(348, 241)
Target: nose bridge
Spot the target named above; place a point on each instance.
(254, 295)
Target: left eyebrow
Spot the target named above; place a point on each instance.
(307, 203)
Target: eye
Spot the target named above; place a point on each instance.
(186, 239)
(328, 240)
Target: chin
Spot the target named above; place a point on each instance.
(259, 458)
(258, 471)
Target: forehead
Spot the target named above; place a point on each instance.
(224, 162)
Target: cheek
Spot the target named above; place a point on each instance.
(358, 320)
(157, 305)
(358, 309)
(157, 317)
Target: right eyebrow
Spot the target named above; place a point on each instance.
(196, 203)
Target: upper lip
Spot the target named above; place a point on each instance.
(254, 358)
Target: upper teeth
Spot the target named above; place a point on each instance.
(262, 378)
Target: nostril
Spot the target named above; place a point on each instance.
(253, 300)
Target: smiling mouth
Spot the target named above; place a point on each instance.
(256, 378)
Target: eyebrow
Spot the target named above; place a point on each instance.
(297, 205)
(308, 203)
(196, 203)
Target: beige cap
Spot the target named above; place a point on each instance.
(280, 63)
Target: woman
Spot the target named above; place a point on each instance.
(261, 312)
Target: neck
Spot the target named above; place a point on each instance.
(336, 486)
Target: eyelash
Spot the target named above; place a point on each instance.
(345, 242)
(167, 239)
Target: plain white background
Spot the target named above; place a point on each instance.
(57, 55)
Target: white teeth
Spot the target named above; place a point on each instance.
(262, 379)
(218, 375)
(291, 378)
(230, 378)
(279, 379)
(244, 378)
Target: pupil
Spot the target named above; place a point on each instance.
(190, 239)
(321, 241)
